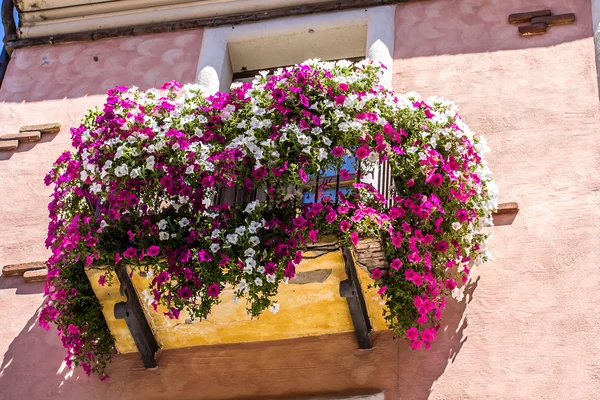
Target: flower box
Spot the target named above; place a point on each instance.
(310, 305)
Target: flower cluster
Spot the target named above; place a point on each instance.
(203, 193)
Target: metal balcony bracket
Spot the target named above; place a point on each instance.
(133, 314)
(352, 291)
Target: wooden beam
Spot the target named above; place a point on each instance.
(20, 269)
(506, 214)
(562, 19)
(39, 275)
(533, 30)
(53, 127)
(235, 19)
(520, 18)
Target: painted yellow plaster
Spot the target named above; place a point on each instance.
(109, 296)
(309, 309)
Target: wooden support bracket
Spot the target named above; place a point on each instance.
(133, 314)
(352, 291)
(506, 214)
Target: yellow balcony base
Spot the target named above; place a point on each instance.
(306, 309)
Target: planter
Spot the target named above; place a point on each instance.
(311, 305)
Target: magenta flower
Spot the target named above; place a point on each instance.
(363, 151)
(184, 292)
(376, 273)
(338, 151)
(462, 215)
(171, 85)
(102, 280)
(416, 344)
(214, 290)
(279, 95)
(303, 176)
(344, 226)
(412, 333)
(130, 252)
(441, 246)
(382, 290)
(450, 284)
(396, 264)
(354, 238)
(344, 174)
(153, 251)
(312, 235)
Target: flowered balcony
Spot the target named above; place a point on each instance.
(174, 205)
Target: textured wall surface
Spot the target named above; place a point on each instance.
(527, 326)
(529, 330)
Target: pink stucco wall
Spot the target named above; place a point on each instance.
(528, 327)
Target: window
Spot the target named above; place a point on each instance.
(239, 52)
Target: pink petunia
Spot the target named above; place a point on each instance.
(382, 290)
(338, 151)
(363, 151)
(450, 284)
(302, 175)
(354, 238)
(102, 280)
(376, 273)
(344, 226)
(214, 290)
(153, 251)
(412, 333)
(462, 215)
(130, 252)
(396, 264)
(441, 246)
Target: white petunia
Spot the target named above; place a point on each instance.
(232, 238)
(162, 224)
(136, 172)
(254, 240)
(258, 282)
(163, 235)
(249, 253)
(95, 188)
(274, 308)
(251, 206)
(122, 170)
(184, 222)
(215, 247)
(240, 230)
(271, 278)
(456, 226)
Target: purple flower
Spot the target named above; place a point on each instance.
(102, 280)
(214, 290)
(279, 95)
(153, 251)
(303, 176)
(184, 293)
(130, 252)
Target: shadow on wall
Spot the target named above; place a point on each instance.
(329, 365)
(91, 68)
(432, 28)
